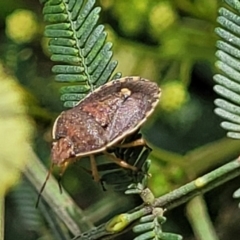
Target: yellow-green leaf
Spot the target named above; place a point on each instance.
(15, 131)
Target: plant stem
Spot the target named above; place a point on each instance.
(200, 185)
(199, 219)
(2, 216)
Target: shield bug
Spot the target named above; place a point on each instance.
(102, 120)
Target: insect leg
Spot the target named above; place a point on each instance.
(135, 143)
(120, 162)
(94, 169)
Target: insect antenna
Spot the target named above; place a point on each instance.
(44, 184)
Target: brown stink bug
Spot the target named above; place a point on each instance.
(102, 120)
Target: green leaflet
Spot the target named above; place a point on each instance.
(67, 69)
(79, 47)
(150, 227)
(228, 81)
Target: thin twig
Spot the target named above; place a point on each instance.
(200, 185)
(2, 217)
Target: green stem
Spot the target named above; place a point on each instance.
(2, 214)
(216, 152)
(200, 185)
(198, 216)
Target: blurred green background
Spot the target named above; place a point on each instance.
(171, 42)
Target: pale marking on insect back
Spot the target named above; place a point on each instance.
(124, 92)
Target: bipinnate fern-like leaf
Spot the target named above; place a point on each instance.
(23, 196)
(78, 46)
(32, 219)
(150, 227)
(228, 81)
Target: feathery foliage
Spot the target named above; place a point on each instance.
(150, 227)
(78, 45)
(24, 198)
(228, 81)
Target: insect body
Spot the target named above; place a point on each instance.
(102, 119)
